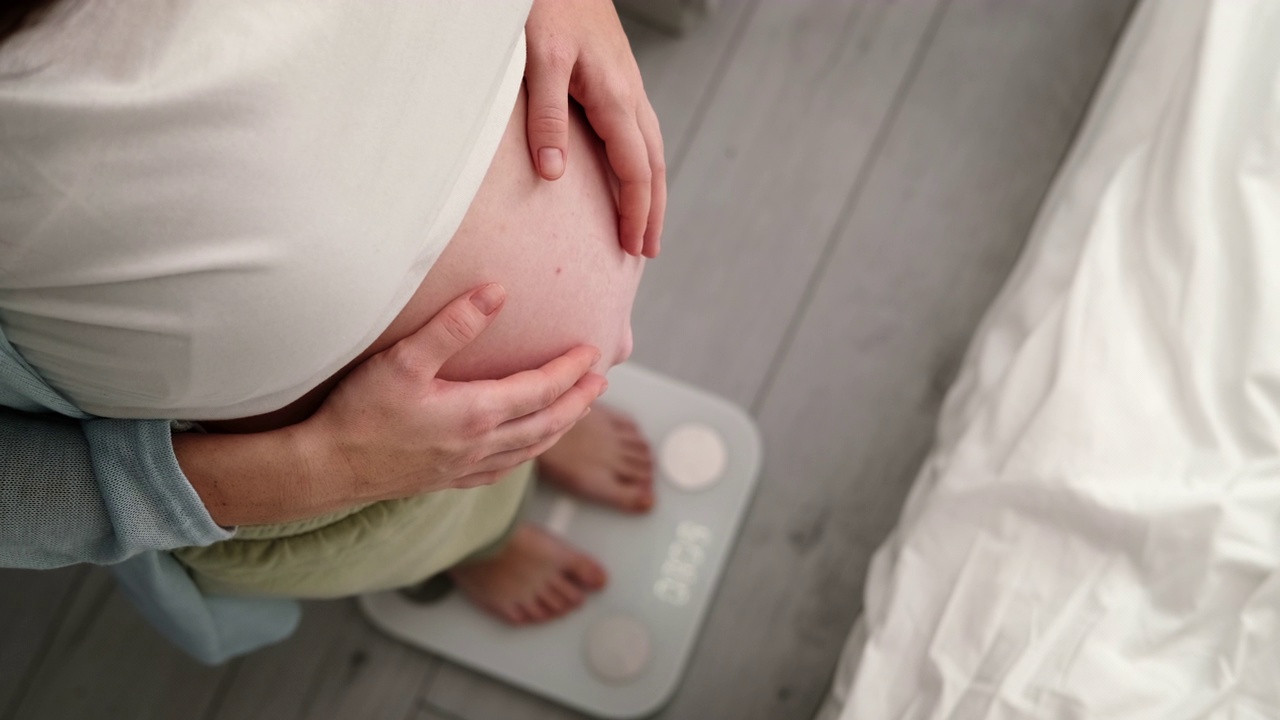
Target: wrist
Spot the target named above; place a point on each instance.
(325, 478)
(257, 478)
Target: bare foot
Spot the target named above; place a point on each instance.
(538, 577)
(603, 458)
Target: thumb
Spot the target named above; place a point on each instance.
(548, 114)
(453, 328)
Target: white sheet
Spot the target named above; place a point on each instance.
(1097, 532)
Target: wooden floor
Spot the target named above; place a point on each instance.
(852, 181)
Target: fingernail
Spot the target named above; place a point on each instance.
(551, 162)
(596, 358)
(603, 386)
(488, 298)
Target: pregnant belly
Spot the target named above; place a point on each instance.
(552, 245)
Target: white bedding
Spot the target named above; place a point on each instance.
(1096, 533)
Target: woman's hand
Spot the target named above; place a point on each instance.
(577, 48)
(391, 429)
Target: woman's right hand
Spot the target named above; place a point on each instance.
(392, 429)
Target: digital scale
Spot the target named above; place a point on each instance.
(622, 653)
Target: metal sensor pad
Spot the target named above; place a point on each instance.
(693, 457)
(618, 648)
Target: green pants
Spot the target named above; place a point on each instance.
(384, 545)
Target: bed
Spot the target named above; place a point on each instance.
(1096, 531)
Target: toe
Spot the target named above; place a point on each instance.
(642, 499)
(553, 600)
(566, 591)
(533, 610)
(587, 573)
(630, 433)
(637, 445)
(626, 491)
(637, 470)
(641, 482)
(636, 459)
(510, 613)
(639, 479)
(624, 425)
(551, 606)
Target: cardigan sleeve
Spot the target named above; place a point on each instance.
(93, 490)
(76, 489)
(79, 489)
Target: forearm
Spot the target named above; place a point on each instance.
(259, 478)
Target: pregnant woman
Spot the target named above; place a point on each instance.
(247, 215)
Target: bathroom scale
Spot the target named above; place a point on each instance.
(622, 653)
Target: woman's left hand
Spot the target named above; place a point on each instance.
(577, 48)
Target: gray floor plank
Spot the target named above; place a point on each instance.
(850, 413)
(106, 662)
(335, 666)
(800, 106)
(31, 603)
(425, 712)
(473, 696)
(680, 72)
(281, 681)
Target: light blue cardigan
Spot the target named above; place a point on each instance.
(75, 488)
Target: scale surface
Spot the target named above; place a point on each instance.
(623, 652)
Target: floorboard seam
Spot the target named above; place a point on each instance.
(222, 690)
(420, 698)
(713, 86)
(1065, 156)
(80, 631)
(851, 203)
(442, 712)
(29, 674)
(317, 682)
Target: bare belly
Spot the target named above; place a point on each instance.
(552, 245)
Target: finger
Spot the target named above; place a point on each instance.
(658, 168)
(547, 78)
(558, 417)
(528, 392)
(450, 330)
(504, 462)
(480, 479)
(625, 148)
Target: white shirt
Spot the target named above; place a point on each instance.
(209, 206)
